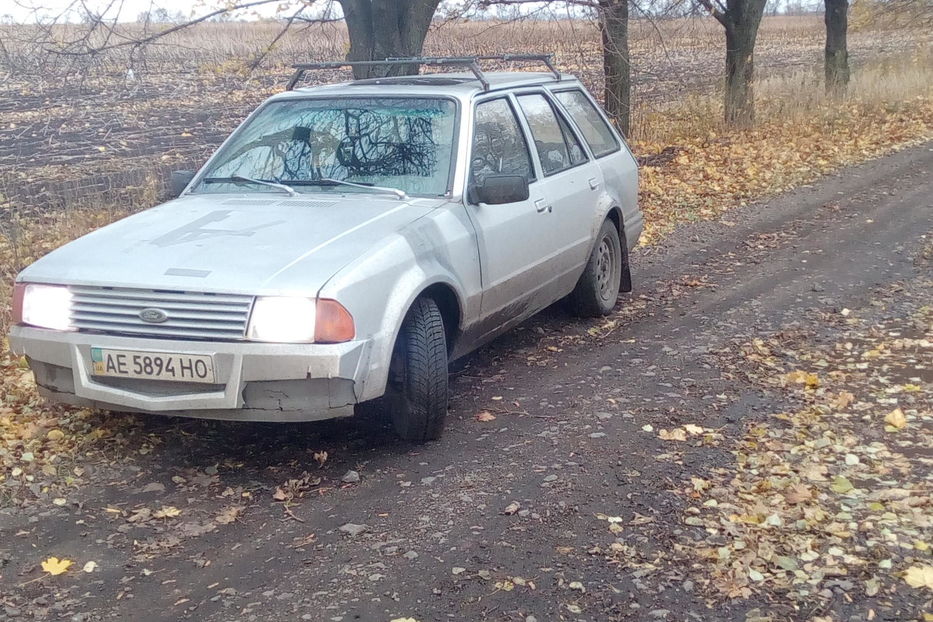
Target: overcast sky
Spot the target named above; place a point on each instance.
(28, 10)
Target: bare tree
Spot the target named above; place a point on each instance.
(613, 25)
(836, 62)
(740, 19)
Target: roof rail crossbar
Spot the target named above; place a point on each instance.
(470, 62)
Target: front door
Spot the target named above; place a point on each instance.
(518, 242)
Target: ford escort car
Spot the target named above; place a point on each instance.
(344, 244)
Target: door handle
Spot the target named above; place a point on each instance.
(542, 206)
(594, 183)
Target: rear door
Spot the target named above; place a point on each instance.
(615, 161)
(569, 186)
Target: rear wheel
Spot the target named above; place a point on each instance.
(417, 390)
(598, 288)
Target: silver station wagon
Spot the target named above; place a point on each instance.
(344, 244)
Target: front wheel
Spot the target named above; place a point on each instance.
(417, 389)
(598, 288)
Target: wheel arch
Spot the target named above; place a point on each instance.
(451, 308)
(449, 302)
(615, 216)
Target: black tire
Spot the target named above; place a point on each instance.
(597, 290)
(416, 395)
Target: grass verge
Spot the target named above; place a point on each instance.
(696, 170)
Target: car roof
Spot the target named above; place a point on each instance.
(463, 85)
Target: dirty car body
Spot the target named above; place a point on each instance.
(271, 290)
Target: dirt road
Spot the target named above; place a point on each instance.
(551, 496)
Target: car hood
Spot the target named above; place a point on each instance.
(233, 244)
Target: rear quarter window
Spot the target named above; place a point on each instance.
(597, 133)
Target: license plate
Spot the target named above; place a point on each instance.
(152, 365)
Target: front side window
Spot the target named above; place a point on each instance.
(558, 149)
(403, 143)
(596, 131)
(499, 147)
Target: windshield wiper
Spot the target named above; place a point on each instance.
(339, 182)
(240, 179)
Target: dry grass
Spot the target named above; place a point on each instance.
(799, 136)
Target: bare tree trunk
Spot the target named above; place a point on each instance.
(837, 54)
(741, 21)
(613, 24)
(380, 29)
(740, 74)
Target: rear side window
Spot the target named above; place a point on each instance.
(499, 147)
(558, 148)
(596, 131)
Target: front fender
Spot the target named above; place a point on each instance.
(379, 288)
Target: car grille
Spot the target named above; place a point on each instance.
(189, 315)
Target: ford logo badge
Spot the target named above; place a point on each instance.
(153, 316)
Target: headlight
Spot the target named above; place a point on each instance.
(282, 319)
(45, 306)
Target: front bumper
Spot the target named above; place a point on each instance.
(253, 381)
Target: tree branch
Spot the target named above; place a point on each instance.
(162, 33)
(717, 10)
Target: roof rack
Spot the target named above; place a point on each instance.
(470, 62)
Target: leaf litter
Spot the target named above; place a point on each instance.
(836, 494)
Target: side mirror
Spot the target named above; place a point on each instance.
(499, 189)
(178, 182)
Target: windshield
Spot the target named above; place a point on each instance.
(401, 143)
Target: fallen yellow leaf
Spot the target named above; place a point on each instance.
(896, 418)
(811, 381)
(485, 416)
(55, 566)
(919, 576)
(841, 485)
(505, 586)
(693, 429)
(843, 399)
(229, 514)
(167, 512)
(677, 434)
(55, 435)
